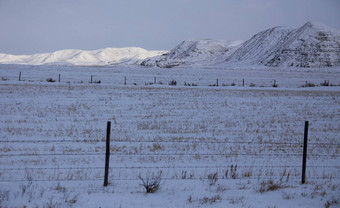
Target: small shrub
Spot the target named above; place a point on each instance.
(236, 200)
(213, 178)
(233, 171)
(69, 199)
(190, 199)
(151, 183)
(325, 83)
(275, 84)
(211, 200)
(247, 174)
(309, 84)
(50, 80)
(156, 147)
(184, 174)
(148, 83)
(188, 84)
(173, 82)
(287, 196)
(331, 202)
(60, 188)
(270, 185)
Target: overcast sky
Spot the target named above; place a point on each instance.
(37, 26)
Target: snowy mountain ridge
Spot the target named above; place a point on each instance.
(311, 45)
(101, 57)
(194, 52)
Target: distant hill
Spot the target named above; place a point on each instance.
(194, 52)
(312, 45)
(101, 57)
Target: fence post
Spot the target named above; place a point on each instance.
(304, 157)
(20, 76)
(59, 78)
(217, 82)
(243, 83)
(91, 79)
(107, 155)
(124, 80)
(155, 81)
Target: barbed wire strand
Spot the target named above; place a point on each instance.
(164, 154)
(137, 179)
(164, 167)
(157, 141)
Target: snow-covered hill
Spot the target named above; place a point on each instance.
(194, 52)
(312, 45)
(101, 57)
(260, 46)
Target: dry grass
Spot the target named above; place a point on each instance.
(270, 185)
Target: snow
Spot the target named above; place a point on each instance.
(259, 47)
(312, 45)
(185, 132)
(101, 57)
(194, 53)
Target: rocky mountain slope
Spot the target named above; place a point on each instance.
(194, 52)
(312, 45)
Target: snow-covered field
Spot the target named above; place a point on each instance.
(225, 146)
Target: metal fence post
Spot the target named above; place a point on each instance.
(107, 155)
(304, 157)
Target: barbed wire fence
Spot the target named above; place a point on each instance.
(147, 80)
(200, 170)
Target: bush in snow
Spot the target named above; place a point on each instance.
(270, 185)
(50, 80)
(151, 183)
(213, 178)
(325, 83)
(309, 84)
(173, 82)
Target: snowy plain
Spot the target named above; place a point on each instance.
(52, 145)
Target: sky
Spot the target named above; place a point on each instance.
(40, 26)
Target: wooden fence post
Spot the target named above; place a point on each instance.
(243, 83)
(107, 155)
(124, 80)
(20, 76)
(217, 82)
(59, 78)
(304, 157)
(91, 79)
(155, 81)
